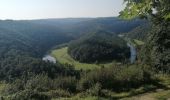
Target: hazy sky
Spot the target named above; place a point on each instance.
(37, 9)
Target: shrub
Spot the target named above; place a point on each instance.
(59, 93)
(117, 78)
(66, 83)
(30, 95)
(95, 90)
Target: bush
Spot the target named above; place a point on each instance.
(117, 78)
(59, 93)
(42, 83)
(95, 90)
(39, 82)
(66, 83)
(30, 95)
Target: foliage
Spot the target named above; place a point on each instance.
(140, 32)
(156, 50)
(40, 86)
(116, 78)
(157, 9)
(30, 95)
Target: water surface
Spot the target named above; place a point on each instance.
(49, 58)
(133, 53)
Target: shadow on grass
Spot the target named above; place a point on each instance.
(151, 88)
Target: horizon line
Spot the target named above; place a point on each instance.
(58, 18)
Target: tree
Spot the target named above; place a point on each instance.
(158, 42)
(156, 9)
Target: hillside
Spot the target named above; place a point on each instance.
(76, 27)
(140, 32)
(98, 47)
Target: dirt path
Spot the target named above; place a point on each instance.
(160, 94)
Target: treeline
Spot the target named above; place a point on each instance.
(99, 46)
(77, 27)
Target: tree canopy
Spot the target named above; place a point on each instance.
(158, 41)
(99, 46)
(156, 9)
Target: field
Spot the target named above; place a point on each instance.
(138, 42)
(62, 56)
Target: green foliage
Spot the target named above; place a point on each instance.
(58, 93)
(30, 95)
(41, 86)
(95, 90)
(156, 52)
(140, 32)
(99, 46)
(117, 78)
(157, 9)
(66, 83)
(157, 48)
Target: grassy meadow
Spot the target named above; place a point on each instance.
(63, 57)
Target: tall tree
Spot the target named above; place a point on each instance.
(158, 12)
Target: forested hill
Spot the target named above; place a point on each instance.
(76, 27)
(29, 37)
(99, 46)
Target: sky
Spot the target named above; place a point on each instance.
(41, 9)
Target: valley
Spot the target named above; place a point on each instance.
(85, 50)
(74, 59)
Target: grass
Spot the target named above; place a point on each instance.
(63, 57)
(138, 42)
(82, 98)
(161, 93)
(146, 92)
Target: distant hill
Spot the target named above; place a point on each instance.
(77, 27)
(35, 37)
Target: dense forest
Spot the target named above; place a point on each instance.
(99, 46)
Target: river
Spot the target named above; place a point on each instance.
(49, 58)
(133, 53)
